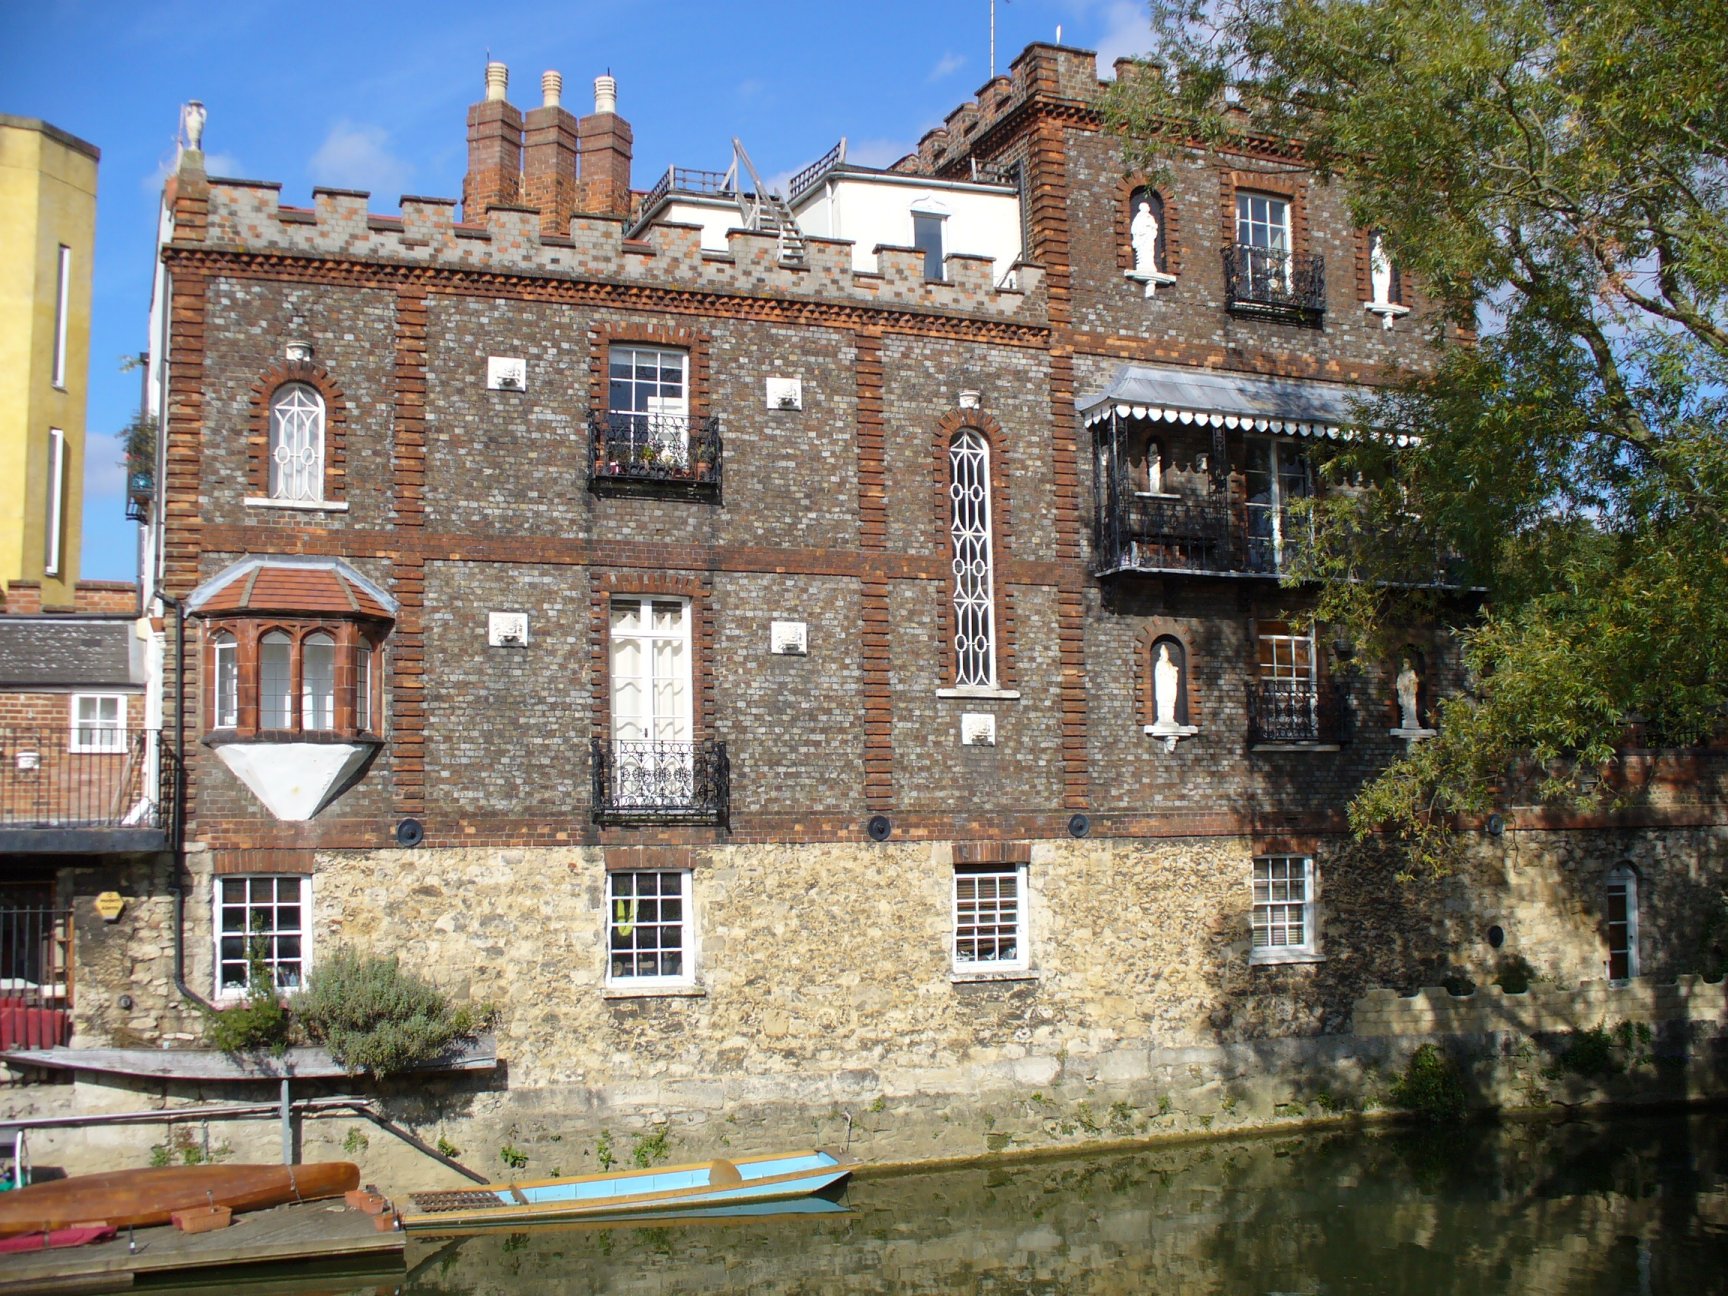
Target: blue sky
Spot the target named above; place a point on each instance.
(373, 97)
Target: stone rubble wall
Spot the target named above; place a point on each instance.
(1434, 1010)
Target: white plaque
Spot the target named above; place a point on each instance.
(506, 373)
(507, 629)
(977, 729)
(785, 393)
(788, 638)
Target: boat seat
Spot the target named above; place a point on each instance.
(723, 1174)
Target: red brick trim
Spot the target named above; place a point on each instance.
(1296, 843)
(697, 589)
(1124, 215)
(1283, 184)
(872, 468)
(992, 852)
(408, 469)
(1157, 628)
(264, 390)
(632, 859)
(265, 859)
(407, 697)
(875, 647)
(1001, 537)
(601, 336)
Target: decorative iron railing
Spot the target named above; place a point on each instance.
(1137, 532)
(102, 778)
(654, 454)
(805, 179)
(1274, 284)
(652, 781)
(140, 490)
(1285, 711)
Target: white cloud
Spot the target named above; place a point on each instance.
(878, 152)
(946, 66)
(750, 88)
(357, 156)
(1124, 32)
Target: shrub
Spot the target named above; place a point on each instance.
(1588, 1053)
(259, 1021)
(1431, 1087)
(375, 1017)
(1515, 974)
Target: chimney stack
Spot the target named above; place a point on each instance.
(604, 142)
(549, 158)
(494, 149)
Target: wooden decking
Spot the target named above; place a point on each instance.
(324, 1232)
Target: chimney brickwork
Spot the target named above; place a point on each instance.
(494, 176)
(604, 143)
(549, 144)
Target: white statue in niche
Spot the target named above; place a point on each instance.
(1380, 271)
(1166, 697)
(1143, 234)
(1166, 679)
(1409, 685)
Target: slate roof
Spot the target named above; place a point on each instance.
(69, 652)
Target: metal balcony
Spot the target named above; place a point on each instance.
(1286, 712)
(666, 455)
(1266, 283)
(97, 794)
(646, 781)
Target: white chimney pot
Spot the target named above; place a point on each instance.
(551, 88)
(497, 81)
(605, 94)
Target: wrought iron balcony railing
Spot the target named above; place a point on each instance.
(1274, 284)
(105, 778)
(654, 454)
(1286, 711)
(646, 781)
(1160, 533)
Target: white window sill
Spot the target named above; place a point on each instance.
(979, 691)
(981, 977)
(1278, 957)
(305, 506)
(663, 991)
(1296, 747)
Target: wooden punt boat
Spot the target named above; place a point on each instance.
(140, 1198)
(630, 1194)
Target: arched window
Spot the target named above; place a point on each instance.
(318, 682)
(275, 681)
(297, 444)
(974, 579)
(225, 697)
(1622, 926)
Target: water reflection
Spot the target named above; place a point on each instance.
(1630, 1207)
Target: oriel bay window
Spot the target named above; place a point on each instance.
(272, 679)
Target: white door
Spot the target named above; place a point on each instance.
(651, 701)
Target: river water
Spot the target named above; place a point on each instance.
(1630, 1206)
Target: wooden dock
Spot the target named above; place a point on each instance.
(322, 1234)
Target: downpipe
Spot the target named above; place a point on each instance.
(177, 808)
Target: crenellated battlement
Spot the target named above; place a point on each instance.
(248, 216)
(1054, 72)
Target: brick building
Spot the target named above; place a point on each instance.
(789, 650)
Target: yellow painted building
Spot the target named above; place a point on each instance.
(47, 245)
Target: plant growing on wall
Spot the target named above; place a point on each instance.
(260, 1020)
(375, 1017)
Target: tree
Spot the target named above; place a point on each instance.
(1553, 174)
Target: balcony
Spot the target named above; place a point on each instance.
(1199, 536)
(647, 781)
(1286, 713)
(1263, 283)
(665, 455)
(98, 796)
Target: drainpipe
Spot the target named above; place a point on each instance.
(177, 807)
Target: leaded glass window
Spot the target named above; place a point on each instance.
(974, 579)
(297, 444)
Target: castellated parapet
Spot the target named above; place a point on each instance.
(247, 217)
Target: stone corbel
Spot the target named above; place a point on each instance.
(1153, 279)
(1387, 311)
(1171, 733)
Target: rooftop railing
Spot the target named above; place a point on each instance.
(95, 778)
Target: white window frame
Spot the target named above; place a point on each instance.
(969, 928)
(225, 685)
(664, 417)
(1624, 876)
(295, 472)
(233, 993)
(95, 733)
(62, 314)
(686, 978)
(1262, 913)
(54, 540)
(1272, 223)
(971, 530)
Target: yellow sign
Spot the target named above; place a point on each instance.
(110, 904)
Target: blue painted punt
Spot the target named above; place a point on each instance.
(683, 1189)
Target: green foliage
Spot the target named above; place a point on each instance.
(603, 1151)
(180, 1148)
(355, 1142)
(375, 1017)
(512, 1156)
(259, 1021)
(1555, 176)
(1588, 1053)
(1431, 1087)
(448, 1148)
(649, 1149)
(1515, 974)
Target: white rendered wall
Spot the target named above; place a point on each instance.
(872, 210)
(714, 218)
